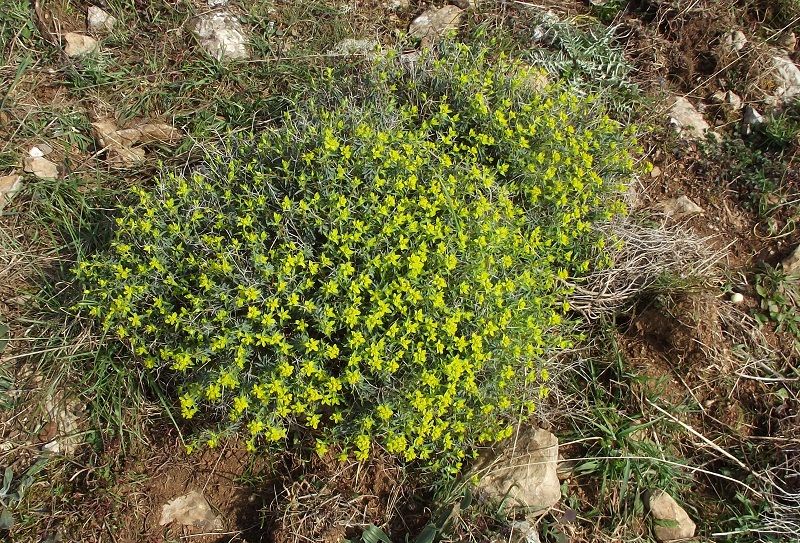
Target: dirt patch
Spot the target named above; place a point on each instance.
(158, 474)
(258, 498)
(332, 499)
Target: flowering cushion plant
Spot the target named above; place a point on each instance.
(379, 271)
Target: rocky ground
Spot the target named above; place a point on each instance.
(679, 421)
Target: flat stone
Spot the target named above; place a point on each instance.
(733, 100)
(41, 149)
(41, 167)
(791, 264)
(79, 44)
(191, 509)
(537, 79)
(685, 118)
(65, 415)
(10, 185)
(680, 207)
(728, 100)
(523, 473)
(733, 41)
(398, 5)
(355, 47)
(125, 146)
(787, 78)
(671, 522)
(221, 35)
(523, 532)
(435, 23)
(98, 20)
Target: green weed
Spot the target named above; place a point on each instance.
(780, 301)
(615, 425)
(586, 55)
(761, 176)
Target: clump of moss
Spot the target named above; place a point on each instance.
(379, 271)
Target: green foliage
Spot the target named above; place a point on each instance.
(588, 57)
(783, 12)
(616, 426)
(609, 10)
(16, 24)
(783, 128)
(760, 175)
(780, 301)
(435, 530)
(382, 270)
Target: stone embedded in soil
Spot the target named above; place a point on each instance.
(680, 207)
(98, 20)
(355, 47)
(751, 120)
(10, 185)
(40, 150)
(737, 298)
(435, 23)
(733, 100)
(191, 509)
(398, 5)
(787, 78)
(685, 118)
(79, 44)
(64, 415)
(41, 167)
(671, 522)
(124, 146)
(523, 532)
(727, 100)
(733, 41)
(791, 264)
(523, 473)
(221, 35)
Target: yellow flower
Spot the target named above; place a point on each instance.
(240, 403)
(188, 406)
(384, 412)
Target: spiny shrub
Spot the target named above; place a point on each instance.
(381, 270)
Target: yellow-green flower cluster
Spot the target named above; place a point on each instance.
(368, 275)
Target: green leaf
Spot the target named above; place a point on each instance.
(4, 337)
(7, 477)
(373, 534)
(587, 467)
(466, 501)
(427, 535)
(6, 519)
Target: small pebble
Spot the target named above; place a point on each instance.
(737, 298)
